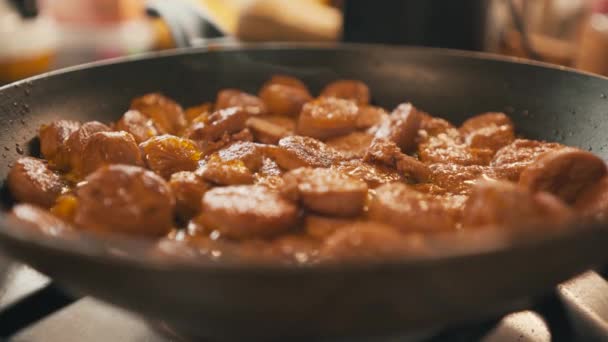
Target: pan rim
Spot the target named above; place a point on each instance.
(502, 242)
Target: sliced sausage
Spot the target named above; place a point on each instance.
(140, 126)
(354, 144)
(104, 148)
(209, 147)
(286, 81)
(490, 130)
(373, 174)
(398, 205)
(167, 154)
(328, 191)
(54, 135)
(188, 190)
(353, 90)
(564, 173)
(431, 126)
(500, 203)
(31, 181)
(449, 147)
(125, 199)
(328, 117)
(370, 241)
(225, 121)
(401, 127)
(299, 151)
(458, 179)
(266, 131)
(235, 98)
(247, 211)
(593, 201)
(167, 114)
(199, 112)
(40, 220)
(370, 117)
(387, 153)
(284, 100)
(512, 159)
(321, 227)
(75, 143)
(251, 154)
(217, 171)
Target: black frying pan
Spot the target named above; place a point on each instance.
(468, 278)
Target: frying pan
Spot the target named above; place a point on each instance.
(469, 275)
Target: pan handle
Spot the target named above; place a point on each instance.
(32, 308)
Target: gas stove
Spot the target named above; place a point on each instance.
(577, 310)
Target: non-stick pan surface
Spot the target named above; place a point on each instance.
(466, 279)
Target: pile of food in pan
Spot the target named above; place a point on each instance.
(290, 177)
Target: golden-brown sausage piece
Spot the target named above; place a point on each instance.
(235, 98)
(141, 127)
(299, 151)
(564, 173)
(104, 148)
(125, 199)
(54, 135)
(398, 205)
(247, 211)
(401, 127)
(31, 181)
(284, 100)
(75, 143)
(593, 201)
(188, 190)
(490, 130)
(327, 191)
(167, 114)
(499, 203)
(328, 117)
(167, 154)
(356, 91)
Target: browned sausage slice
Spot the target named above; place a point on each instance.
(398, 205)
(217, 171)
(299, 151)
(500, 203)
(167, 154)
(458, 179)
(490, 130)
(251, 154)
(125, 199)
(199, 112)
(401, 127)
(266, 131)
(321, 227)
(354, 144)
(449, 146)
(167, 114)
(386, 152)
(235, 98)
(188, 190)
(353, 90)
(31, 181)
(328, 117)
(373, 174)
(225, 121)
(54, 135)
(104, 148)
(75, 143)
(564, 173)
(40, 220)
(512, 159)
(247, 211)
(328, 191)
(370, 117)
(370, 241)
(284, 100)
(286, 81)
(141, 127)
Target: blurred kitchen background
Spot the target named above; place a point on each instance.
(38, 36)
